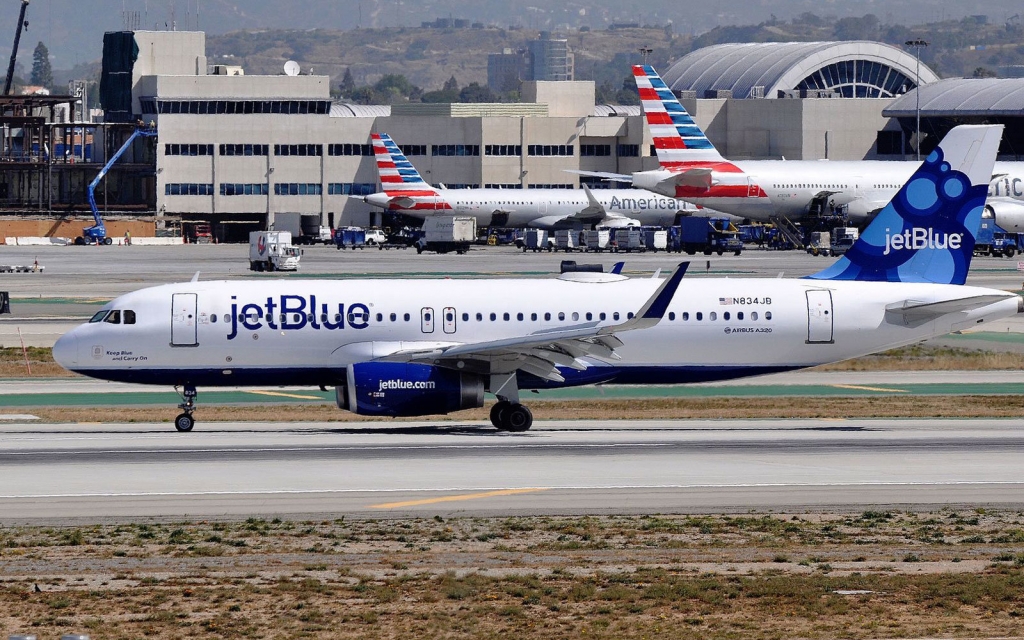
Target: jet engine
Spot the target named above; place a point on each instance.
(1009, 214)
(400, 389)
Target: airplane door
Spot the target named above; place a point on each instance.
(427, 320)
(819, 317)
(449, 320)
(183, 320)
(752, 189)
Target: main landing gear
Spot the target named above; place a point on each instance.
(511, 416)
(185, 421)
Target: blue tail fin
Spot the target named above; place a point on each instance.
(927, 231)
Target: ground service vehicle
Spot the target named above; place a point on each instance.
(447, 233)
(352, 237)
(819, 243)
(304, 227)
(97, 234)
(842, 239)
(538, 240)
(272, 251)
(705, 235)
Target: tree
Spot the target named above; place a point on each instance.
(475, 92)
(982, 72)
(451, 84)
(348, 83)
(42, 73)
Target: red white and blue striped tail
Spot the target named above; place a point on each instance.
(396, 172)
(677, 138)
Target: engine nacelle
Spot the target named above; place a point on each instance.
(398, 389)
(1009, 214)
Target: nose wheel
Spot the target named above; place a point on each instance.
(184, 422)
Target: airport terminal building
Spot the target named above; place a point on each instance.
(236, 149)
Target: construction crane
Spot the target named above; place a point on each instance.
(22, 23)
(97, 234)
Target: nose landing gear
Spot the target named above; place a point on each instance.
(184, 422)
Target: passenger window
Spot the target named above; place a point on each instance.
(129, 317)
(505, 316)
(767, 315)
(98, 317)
(213, 317)
(227, 318)
(739, 315)
(629, 316)
(590, 316)
(602, 316)
(561, 316)
(406, 317)
(713, 316)
(337, 317)
(700, 316)
(465, 317)
(533, 316)
(298, 318)
(686, 316)
(479, 317)
(753, 315)
(323, 317)
(725, 315)
(575, 315)
(494, 317)
(380, 317)
(310, 318)
(114, 317)
(615, 316)
(671, 315)
(519, 317)
(394, 317)
(547, 316)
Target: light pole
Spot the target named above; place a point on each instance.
(645, 52)
(917, 44)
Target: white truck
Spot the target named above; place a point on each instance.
(272, 251)
(447, 233)
(304, 227)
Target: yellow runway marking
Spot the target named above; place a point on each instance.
(464, 496)
(285, 395)
(860, 388)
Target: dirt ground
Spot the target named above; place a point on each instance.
(951, 573)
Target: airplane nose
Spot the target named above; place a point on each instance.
(65, 350)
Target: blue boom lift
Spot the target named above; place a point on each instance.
(97, 234)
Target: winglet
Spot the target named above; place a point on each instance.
(654, 309)
(195, 278)
(617, 267)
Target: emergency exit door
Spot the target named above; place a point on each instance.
(427, 320)
(449, 319)
(819, 316)
(184, 328)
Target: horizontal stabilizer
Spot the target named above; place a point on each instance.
(914, 312)
(604, 175)
(701, 178)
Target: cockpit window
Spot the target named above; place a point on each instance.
(114, 317)
(129, 316)
(99, 316)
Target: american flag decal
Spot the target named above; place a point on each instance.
(725, 301)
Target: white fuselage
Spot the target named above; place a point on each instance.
(218, 333)
(544, 208)
(766, 188)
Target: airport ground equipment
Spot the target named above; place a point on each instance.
(352, 237)
(272, 251)
(628, 239)
(656, 239)
(705, 235)
(304, 227)
(819, 243)
(444, 234)
(97, 234)
(14, 49)
(993, 240)
(538, 240)
(569, 240)
(598, 240)
(842, 239)
(375, 237)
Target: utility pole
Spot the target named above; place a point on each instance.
(917, 44)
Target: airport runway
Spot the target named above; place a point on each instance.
(62, 473)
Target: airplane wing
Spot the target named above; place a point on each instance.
(608, 177)
(913, 312)
(541, 352)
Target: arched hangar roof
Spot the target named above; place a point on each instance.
(958, 97)
(851, 69)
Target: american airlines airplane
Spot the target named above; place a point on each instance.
(692, 169)
(424, 347)
(404, 191)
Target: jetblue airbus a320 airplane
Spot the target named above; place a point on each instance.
(422, 347)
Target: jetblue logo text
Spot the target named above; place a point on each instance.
(291, 313)
(388, 385)
(914, 239)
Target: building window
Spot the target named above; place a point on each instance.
(550, 186)
(502, 185)
(628, 150)
(297, 189)
(455, 150)
(550, 149)
(298, 149)
(414, 149)
(243, 107)
(351, 188)
(503, 150)
(889, 143)
(240, 189)
(457, 185)
(188, 189)
(592, 150)
(188, 149)
(244, 150)
(592, 182)
(348, 149)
